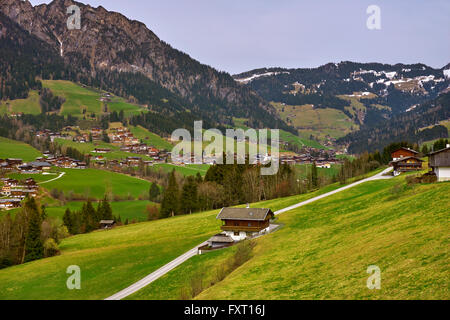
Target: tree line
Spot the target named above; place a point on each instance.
(30, 235)
(88, 218)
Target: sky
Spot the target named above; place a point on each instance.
(241, 35)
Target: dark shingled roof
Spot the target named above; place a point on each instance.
(438, 151)
(257, 214)
(406, 158)
(408, 149)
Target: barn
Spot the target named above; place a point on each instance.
(439, 162)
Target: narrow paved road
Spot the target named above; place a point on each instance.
(178, 261)
(60, 176)
(378, 176)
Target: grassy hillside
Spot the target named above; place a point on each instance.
(150, 138)
(321, 252)
(186, 170)
(324, 249)
(88, 147)
(79, 98)
(316, 121)
(112, 260)
(29, 105)
(126, 209)
(16, 149)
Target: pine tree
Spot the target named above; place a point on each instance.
(107, 210)
(67, 220)
(170, 201)
(189, 197)
(34, 248)
(153, 192)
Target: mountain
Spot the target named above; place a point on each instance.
(417, 126)
(365, 93)
(114, 53)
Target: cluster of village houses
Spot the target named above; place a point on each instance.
(323, 158)
(16, 191)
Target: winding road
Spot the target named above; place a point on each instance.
(178, 261)
(60, 176)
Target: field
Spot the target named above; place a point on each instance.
(95, 183)
(150, 138)
(303, 170)
(88, 147)
(186, 170)
(284, 137)
(29, 105)
(79, 98)
(315, 121)
(15, 149)
(324, 249)
(111, 260)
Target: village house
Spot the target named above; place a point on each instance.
(40, 165)
(11, 182)
(107, 224)
(439, 162)
(242, 223)
(23, 193)
(8, 204)
(14, 162)
(406, 164)
(6, 190)
(403, 153)
(101, 150)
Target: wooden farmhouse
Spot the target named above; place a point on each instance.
(403, 153)
(439, 162)
(406, 164)
(107, 224)
(242, 223)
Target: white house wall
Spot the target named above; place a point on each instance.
(443, 173)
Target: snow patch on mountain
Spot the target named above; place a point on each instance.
(446, 73)
(255, 76)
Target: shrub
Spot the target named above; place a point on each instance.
(243, 253)
(50, 248)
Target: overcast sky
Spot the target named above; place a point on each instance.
(240, 35)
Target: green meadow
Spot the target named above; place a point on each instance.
(186, 170)
(94, 183)
(30, 105)
(16, 149)
(324, 248)
(88, 147)
(302, 170)
(150, 138)
(80, 98)
(316, 121)
(112, 260)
